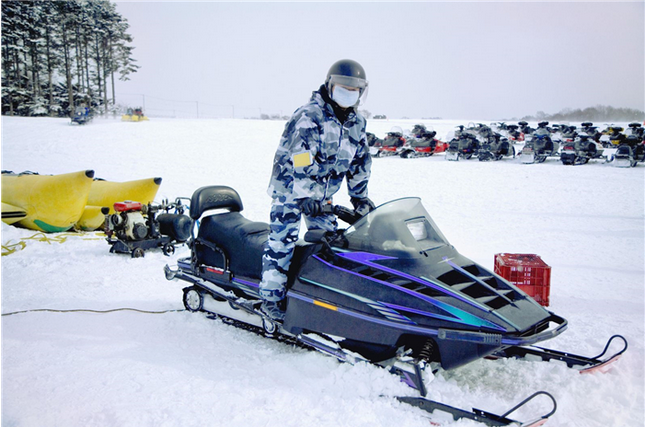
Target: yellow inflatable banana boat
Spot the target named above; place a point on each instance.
(107, 193)
(11, 214)
(49, 203)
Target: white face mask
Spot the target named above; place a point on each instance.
(344, 97)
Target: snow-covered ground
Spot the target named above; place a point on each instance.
(128, 368)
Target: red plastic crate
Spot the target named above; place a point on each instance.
(528, 272)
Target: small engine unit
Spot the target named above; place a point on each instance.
(134, 227)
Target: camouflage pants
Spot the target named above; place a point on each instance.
(285, 226)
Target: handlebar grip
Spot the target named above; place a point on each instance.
(327, 208)
(346, 214)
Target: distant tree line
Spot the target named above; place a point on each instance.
(57, 55)
(599, 113)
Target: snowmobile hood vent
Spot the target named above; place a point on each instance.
(480, 285)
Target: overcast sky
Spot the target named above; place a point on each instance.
(455, 60)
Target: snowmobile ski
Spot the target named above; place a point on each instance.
(478, 415)
(600, 363)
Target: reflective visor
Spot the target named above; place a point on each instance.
(347, 81)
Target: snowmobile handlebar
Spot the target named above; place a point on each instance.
(322, 236)
(346, 214)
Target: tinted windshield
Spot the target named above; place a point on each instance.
(401, 228)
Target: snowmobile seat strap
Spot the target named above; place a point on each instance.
(214, 197)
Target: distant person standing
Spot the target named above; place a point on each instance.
(323, 143)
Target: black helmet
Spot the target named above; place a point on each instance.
(348, 68)
(347, 72)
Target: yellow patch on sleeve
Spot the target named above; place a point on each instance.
(301, 160)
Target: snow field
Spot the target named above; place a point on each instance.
(176, 368)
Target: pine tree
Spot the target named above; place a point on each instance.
(57, 55)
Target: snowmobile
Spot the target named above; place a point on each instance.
(628, 156)
(591, 130)
(392, 144)
(418, 147)
(421, 144)
(513, 134)
(81, 116)
(632, 147)
(136, 227)
(539, 146)
(388, 290)
(525, 129)
(465, 144)
(568, 134)
(494, 147)
(636, 133)
(583, 149)
(616, 135)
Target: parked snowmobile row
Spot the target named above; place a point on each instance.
(587, 143)
(388, 290)
(570, 144)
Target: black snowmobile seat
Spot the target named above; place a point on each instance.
(214, 197)
(242, 241)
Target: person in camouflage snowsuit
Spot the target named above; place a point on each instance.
(323, 143)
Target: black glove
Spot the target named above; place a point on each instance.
(311, 207)
(362, 206)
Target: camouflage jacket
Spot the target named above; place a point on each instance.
(316, 152)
